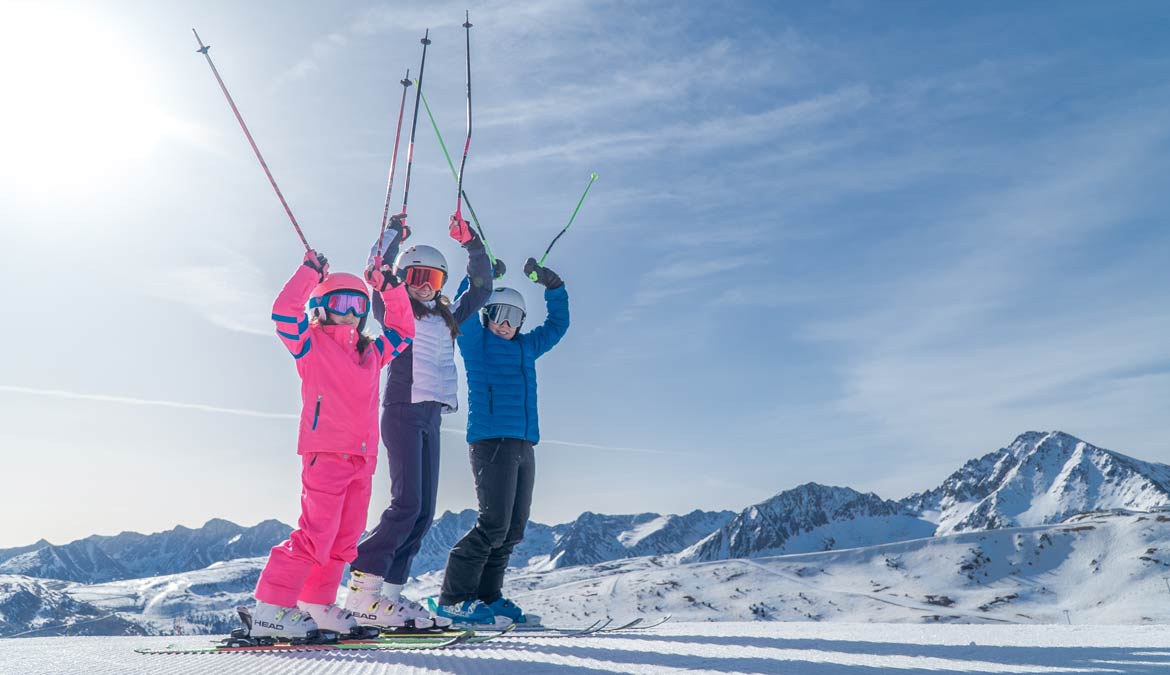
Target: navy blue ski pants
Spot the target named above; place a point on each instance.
(410, 432)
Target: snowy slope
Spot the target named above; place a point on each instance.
(1040, 478)
(673, 649)
(1102, 568)
(40, 607)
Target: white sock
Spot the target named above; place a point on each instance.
(392, 591)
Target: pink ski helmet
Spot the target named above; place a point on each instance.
(337, 281)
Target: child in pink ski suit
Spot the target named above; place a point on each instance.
(339, 434)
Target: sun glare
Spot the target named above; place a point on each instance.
(78, 109)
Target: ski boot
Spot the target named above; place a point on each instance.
(272, 624)
(504, 607)
(341, 621)
(469, 614)
(372, 608)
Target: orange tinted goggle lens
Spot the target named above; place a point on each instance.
(419, 276)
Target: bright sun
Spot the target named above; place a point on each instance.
(78, 108)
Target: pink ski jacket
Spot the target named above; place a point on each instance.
(339, 386)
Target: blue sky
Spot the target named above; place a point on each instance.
(849, 242)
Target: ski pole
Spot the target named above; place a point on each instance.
(204, 49)
(592, 177)
(393, 160)
(414, 123)
(455, 174)
(466, 143)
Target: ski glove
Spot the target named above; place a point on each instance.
(544, 276)
(460, 230)
(383, 278)
(317, 262)
(396, 233)
(499, 269)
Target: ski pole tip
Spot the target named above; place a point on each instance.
(467, 18)
(593, 176)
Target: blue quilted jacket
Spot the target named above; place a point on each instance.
(501, 374)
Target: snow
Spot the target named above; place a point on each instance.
(692, 648)
(630, 538)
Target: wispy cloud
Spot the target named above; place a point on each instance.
(127, 400)
(590, 446)
(232, 293)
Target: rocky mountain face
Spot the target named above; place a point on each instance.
(1040, 478)
(807, 518)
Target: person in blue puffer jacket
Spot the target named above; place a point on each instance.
(502, 429)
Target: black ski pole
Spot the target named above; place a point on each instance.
(414, 123)
(466, 143)
(592, 177)
(393, 160)
(204, 49)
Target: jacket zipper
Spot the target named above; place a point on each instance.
(491, 401)
(317, 412)
(524, 374)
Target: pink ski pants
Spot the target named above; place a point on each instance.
(334, 500)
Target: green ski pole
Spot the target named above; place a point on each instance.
(592, 177)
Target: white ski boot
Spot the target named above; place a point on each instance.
(341, 621)
(371, 607)
(267, 622)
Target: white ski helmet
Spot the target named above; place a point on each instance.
(422, 256)
(505, 304)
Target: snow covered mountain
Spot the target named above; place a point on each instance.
(38, 607)
(594, 538)
(132, 555)
(1103, 568)
(808, 518)
(1040, 478)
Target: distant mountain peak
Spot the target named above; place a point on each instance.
(1042, 477)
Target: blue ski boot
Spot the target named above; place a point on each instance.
(505, 607)
(469, 614)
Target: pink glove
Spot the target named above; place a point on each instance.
(317, 262)
(460, 230)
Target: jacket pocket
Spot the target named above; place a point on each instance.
(491, 401)
(317, 412)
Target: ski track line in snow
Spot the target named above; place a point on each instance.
(760, 648)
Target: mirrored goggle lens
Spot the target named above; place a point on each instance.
(352, 303)
(501, 314)
(419, 276)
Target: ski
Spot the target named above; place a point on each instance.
(626, 626)
(404, 642)
(546, 631)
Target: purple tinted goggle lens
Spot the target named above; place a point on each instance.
(347, 303)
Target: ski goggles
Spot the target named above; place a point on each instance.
(504, 314)
(347, 302)
(422, 276)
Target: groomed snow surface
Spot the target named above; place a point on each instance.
(692, 648)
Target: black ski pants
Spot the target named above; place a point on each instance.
(504, 470)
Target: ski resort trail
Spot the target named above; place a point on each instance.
(672, 649)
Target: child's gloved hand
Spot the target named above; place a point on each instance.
(460, 230)
(499, 269)
(382, 278)
(317, 262)
(542, 275)
(398, 224)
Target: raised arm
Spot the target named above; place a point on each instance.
(479, 272)
(288, 311)
(545, 336)
(391, 302)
